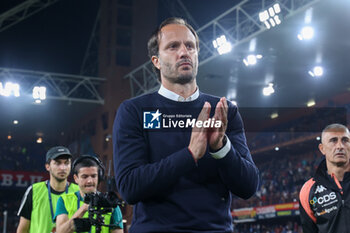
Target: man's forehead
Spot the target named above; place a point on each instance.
(62, 159)
(88, 170)
(336, 133)
(174, 31)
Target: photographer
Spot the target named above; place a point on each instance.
(72, 212)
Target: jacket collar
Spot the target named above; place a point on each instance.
(175, 97)
(323, 177)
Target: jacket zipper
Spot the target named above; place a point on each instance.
(340, 188)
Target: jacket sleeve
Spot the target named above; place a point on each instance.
(307, 218)
(237, 169)
(307, 224)
(136, 178)
(25, 209)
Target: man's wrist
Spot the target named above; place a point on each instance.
(194, 158)
(222, 152)
(224, 141)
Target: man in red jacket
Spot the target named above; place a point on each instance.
(325, 198)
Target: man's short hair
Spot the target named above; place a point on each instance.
(336, 127)
(153, 42)
(85, 162)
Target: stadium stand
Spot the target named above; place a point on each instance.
(21, 165)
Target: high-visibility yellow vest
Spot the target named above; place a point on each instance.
(41, 217)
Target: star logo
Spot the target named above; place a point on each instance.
(156, 115)
(151, 119)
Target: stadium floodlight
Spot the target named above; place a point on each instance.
(277, 8)
(274, 115)
(15, 122)
(311, 103)
(39, 140)
(234, 102)
(267, 25)
(39, 93)
(9, 89)
(251, 60)
(277, 148)
(318, 138)
(270, 17)
(9, 137)
(306, 33)
(222, 45)
(317, 71)
(108, 138)
(277, 19)
(268, 90)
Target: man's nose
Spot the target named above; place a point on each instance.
(63, 166)
(183, 51)
(89, 180)
(340, 144)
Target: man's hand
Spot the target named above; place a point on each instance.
(216, 135)
(23, 226)
(198, 142)
(65, 224)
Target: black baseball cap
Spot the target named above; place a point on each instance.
(56, 151)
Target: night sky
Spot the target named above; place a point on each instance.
(53, 40)
(56, 38)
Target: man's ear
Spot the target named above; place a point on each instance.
(47, 166)
(320, 147)
(155, 61)
(75, 178)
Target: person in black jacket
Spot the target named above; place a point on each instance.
(325, 198)
(180, 154)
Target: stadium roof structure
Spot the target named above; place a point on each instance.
(70, 92)
(286, 60)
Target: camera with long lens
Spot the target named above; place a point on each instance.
(99, 204)
(103, 200)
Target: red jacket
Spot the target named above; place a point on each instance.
(325, 203)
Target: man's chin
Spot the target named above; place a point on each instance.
(184, 79)
(61, 178)
(89, 190)
(341, 162)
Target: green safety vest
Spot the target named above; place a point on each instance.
(71, 203)
(41, 219)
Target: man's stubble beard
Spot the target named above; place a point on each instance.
(340, 164)
(59, 179)
(184, 79)
(180, 78)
